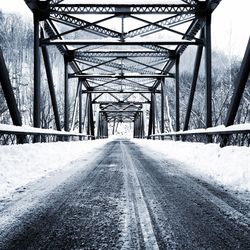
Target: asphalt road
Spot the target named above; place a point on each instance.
(125, 199)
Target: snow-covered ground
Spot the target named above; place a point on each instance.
(21, 164)
(229, 166)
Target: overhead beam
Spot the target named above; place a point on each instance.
(120, 92)
(167, 22)
(121, 53)
(124, 76)
(123, 9)
(117, 43)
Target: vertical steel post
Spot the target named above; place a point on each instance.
(134, 128)
(9, 93)
(106, 126)
(150, 122)
(240, 85)
(162, 107)
(66, 94)
(153, 114)
(177, 93)
(51, 86)
(80, 108)
(194, 82)
(37, 77)
(208, 65)
(88, 114)
(142, 125)
(91, 119)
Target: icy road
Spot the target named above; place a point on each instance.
(124, 199)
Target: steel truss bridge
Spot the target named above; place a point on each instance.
(122, 56)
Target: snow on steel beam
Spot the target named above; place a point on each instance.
(113, 53)
(120, 76)
(84, 25)
(168, 22)
(123, 9)
(190, 1)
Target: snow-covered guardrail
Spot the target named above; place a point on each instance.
(239, 129)
(9, 133)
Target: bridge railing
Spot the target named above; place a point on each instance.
(10, 134)
(238, 135)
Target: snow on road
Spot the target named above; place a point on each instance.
(229, 166)
(21, 164)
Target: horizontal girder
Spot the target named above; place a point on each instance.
(84, 25)
(118, 43)
(123, 9)
(121, 76)
(121, 91)
(121, 53)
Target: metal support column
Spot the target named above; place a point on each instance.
(80, 108)
(51, 86)
(66, 94)
(240, 85)
(153, 113)
(194, 83)
(91, 119)
(134, 132)
(150, 122)
(37, 77)
(208, 65)
(9, 93)
(177, 93)
(162, 107)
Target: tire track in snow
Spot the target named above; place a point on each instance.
(136, 207)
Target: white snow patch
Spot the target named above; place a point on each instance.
(228, 166)
(21, 164)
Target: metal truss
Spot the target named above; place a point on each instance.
(123, 9)
(115, 65)
(121, 63)
(168, 22)
(84, 25)
(121, 54)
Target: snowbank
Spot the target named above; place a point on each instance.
(229, 166)
(21, 164)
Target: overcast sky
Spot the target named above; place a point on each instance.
(230, 23)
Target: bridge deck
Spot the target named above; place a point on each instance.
(125, 200)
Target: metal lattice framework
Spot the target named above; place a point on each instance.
(119, 53)
(122, 55)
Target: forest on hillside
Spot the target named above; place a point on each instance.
(16, 42)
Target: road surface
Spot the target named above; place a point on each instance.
(125, 199)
